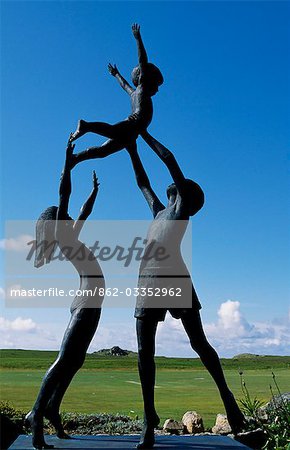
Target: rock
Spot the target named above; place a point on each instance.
(275, 406)
(193, 422)
(222, 425)
(279, 402)
(172, 426)
(114, 351)
(117, 351)
(262, 413)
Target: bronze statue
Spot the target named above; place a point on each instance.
(185, 199)
(146, 78)
(55, 224)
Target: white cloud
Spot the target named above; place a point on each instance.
(24, 333)
(231, 319)
(27, 334)
(230, 334)
(233, 334)
(171, 339)
(17, 244)
(18, 324)
(231, 323)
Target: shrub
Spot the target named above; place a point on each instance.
(76, 423)
(277, 422)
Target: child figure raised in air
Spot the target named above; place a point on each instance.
(147, 78)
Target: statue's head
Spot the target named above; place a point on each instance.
(45, 236)
(46, 242)
(194, 193)
(152, 77)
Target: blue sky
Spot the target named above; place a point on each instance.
(224, 112)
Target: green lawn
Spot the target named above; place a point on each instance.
(110, 384)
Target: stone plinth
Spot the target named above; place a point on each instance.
(127, 442)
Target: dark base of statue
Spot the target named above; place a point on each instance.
(127, 442)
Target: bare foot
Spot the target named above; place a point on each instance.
(147, 438)
(35, 422)
(55, 420)
(253, 439)
(63, 435)
(80, 131)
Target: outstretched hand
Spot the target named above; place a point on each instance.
(96, 184)
(113, 69)
(136, 30)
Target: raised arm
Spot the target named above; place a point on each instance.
(143, 182)
(87, 207)
(65, 184)
(169, 160)
(142, 55)
(123, 83)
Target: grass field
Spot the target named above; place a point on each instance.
(111, 384)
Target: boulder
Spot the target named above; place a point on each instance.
(193, 422)
(172, 426)
(262, 413)
(279, 402)
(222, 425)
(117, 351)
(276, 405)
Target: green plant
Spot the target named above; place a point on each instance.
(16, 415)
(249, 405)
(76, 423)
(277, 423)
